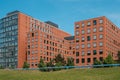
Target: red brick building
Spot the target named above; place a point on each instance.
(95, 39)
(23, 38)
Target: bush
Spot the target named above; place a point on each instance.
(26, 65)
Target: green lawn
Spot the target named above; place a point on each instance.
(73, 74)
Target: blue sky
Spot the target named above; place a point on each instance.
(64, 12)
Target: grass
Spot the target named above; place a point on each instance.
(72, 74)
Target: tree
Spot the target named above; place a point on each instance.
(70, 62)
(118, 56)
(59, 59)
(26, 65)
(108, 60)
(41, 65)
(96, 62)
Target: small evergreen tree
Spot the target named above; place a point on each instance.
(41, 65)
(108, 60)
(59, 59)
(96, 62)
(70, 62)
(26, 65)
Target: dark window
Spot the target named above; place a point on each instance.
(101, 58)
(88, 60)
(77, 60)
(94, 52)
(94, 59)
(77, 53)
(88, 53)
(36, 64)
(88, 38)
(28, 52)
(83, 60)
(100, 52)
(32, 34)
(70, 48)
(77, 40)
(94, 22)
(28, 46)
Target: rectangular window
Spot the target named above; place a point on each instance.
(83, 46)
(88, 24)
(101, 36)
(101, 58)
(77, 39)
(94, 37)
(77, 32)
(101, 44)
(94, 29)
(100, 21)
(83, 24)
(83, 60)
(88, 52)
(94, 52)
(32, 34)
(77, 61)
(94, 44)
(77, 53)
(88, 45)
(88, 60)
(83, 31)
(94, 22)
(101, 29)
(83, 39)
(83, 53)
(100, 51)
(88, 38)
(77, 26)
(88, 31)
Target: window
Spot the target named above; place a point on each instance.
(88, 45)
(83, 60)
(101, 29)
(101, 36)
(88, 31)
(101, 58)
(77, 46)
(88, 52)
(88, 24)
(77, 26)
(94, 44)
(100, 21)
(77, 53)
(83, 39)
(94, 37)
(28, 46)
(94, 29)
(94, 52)
(83, 46)
(88, 60)
(77, 32)
(100, 51)
(77, 39)
(94, 59)
(77, 60)
(101, 44)
(83, 24)
(28, 52)
(88, 38)
(94, 22)
(83, 53)
(83, 31)
(32, 34)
